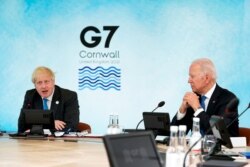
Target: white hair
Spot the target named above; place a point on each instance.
(207, 67)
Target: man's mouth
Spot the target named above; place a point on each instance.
(45, 91)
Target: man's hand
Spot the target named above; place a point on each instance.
(184, 105)
(59, 125)
(192, 100)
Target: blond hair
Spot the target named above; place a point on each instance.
(42, 69)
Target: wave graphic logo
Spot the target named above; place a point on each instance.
(99, 77)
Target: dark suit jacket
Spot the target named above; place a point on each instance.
(217, 105)
(64, 105)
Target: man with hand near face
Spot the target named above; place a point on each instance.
(63, 102)
(202, 79)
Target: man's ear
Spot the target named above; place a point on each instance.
(207, 78)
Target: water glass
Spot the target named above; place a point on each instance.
(208, 143)
(113, 127)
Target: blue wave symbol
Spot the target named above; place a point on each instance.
(99, 77)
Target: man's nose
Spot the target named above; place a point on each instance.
(43, 84)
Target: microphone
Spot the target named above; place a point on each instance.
(162, 103)
(231, 106)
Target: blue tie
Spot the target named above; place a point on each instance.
(202, 102)
(45, 105)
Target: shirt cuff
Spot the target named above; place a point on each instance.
(180, 115)
(198, 111)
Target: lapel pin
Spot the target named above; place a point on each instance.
(57, 102)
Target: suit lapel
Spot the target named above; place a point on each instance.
(213, 100)
(56, 99)
(38, 102)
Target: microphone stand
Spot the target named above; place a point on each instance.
(190, 148)
(159, 105)
(239, 116)
(142, 119)
(184, 161)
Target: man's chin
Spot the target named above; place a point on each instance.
(194, 90)
(44, 95)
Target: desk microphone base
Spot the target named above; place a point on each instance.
(34, 136)
(221, 163)
(218, 157)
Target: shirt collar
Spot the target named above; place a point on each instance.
(210, 92)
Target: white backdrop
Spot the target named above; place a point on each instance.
(156, 42)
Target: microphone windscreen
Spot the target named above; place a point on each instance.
(232, 105)
(161, 104)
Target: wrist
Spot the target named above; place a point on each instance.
(181, 110)
(198, 108)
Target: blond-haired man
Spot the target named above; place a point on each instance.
(63, 102)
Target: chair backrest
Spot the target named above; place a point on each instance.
(245, 132)
(84, 126)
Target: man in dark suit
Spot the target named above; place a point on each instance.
(202, 79)
(47, 95)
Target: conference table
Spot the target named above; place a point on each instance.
(52, 152)
(87, 151)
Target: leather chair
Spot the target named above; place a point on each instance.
(245, 132)
(84, 126)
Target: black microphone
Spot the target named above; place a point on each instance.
(162, 103)
(231, 106)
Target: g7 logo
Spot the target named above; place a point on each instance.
(97, 39)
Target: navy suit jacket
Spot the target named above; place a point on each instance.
(64, 105)
(217, 105)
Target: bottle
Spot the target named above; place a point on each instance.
(195, 153)
(196, 135)
(172, 153)
(111, 124)
(182, 144)
(116, 127)
(113, 127)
